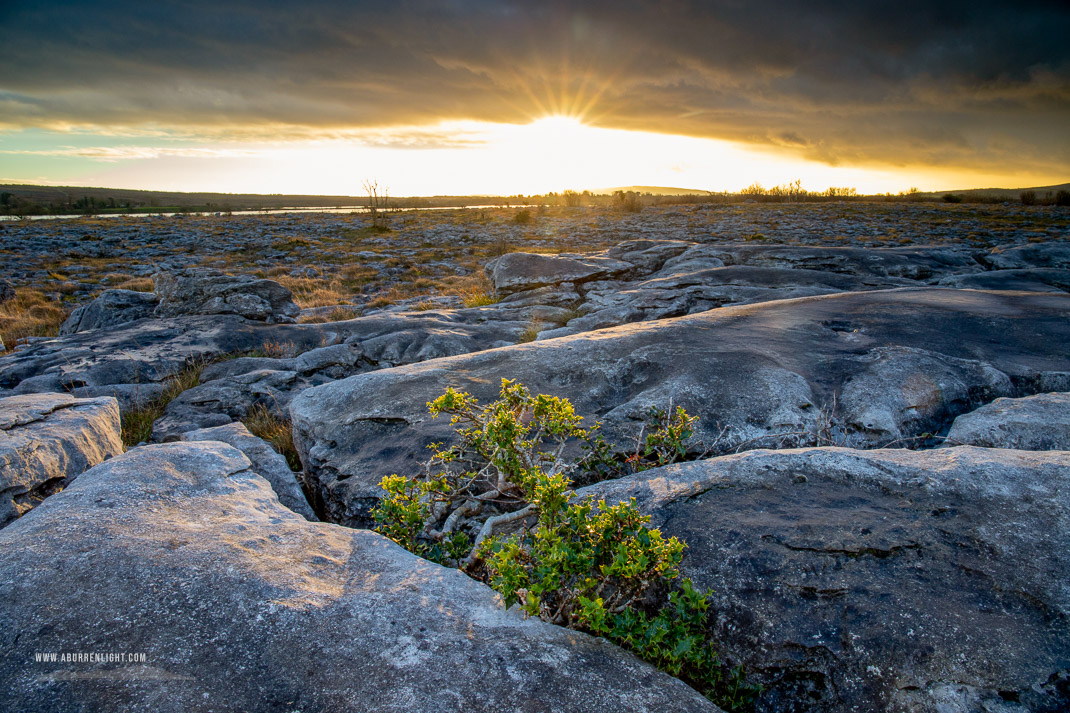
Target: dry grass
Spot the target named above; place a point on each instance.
(30, 314)
(475, 289)
(137, 284)
(315, 292)
(277, 431)
(326, 291)
(276, 349)
(339, 314)
(531, 333)
(136, 424)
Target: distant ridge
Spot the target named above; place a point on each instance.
(1000, 192)
(653, 190)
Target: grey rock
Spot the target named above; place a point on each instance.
(265, 461)
(648, 255)
(129, 396)
(1026, 280)
(200, 291)
(1035, 423)
(890, 580)
(407, 340)
(225, 400)
(181, 552)
(1053, 254)
(112, 307)
(338, 360)
(46, 440)
(764, 375)
(558, 296)
(144, 352)
(754, 276)
(906, 391)
(522, 271)
(913, 263)
(243, 365)
(7, 291)
(697, 257)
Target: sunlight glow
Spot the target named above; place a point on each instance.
(553, 153)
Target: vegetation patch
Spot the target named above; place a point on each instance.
(499, 504)
(30, 314)
(263, 423)
(136, 424)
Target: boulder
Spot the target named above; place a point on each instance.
(903, 392)
(46, 440)
(180, 557)
(774, 374)
(201, 291)
(1026, 280)
(514, 272)
(111, 308)
(266, 461)
(1035, 423)
(888, 580)
(648, 255)
(7, 291)
(1051, 254)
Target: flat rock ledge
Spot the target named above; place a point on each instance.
(46, 440)
(860, 369)
(266, 462)
(1035, 423)
(180, 552)
(887, 580)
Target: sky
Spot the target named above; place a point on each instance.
(471, 97)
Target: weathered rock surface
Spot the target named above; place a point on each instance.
(904, 362)
(266, 462)
(230, 389)
(112, 307)
(1027, 280)
(200, 291)
(1035, 423)
(886, 580)
(129, 361)
(7, 291)
(906, 391)
(46, 440)
(670, 278)
(1053, 254)
(522, 271)
(181, 552)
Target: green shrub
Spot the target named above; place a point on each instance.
(575, 562)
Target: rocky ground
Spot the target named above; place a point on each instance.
(880, 496)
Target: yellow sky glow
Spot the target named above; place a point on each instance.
(472, 158)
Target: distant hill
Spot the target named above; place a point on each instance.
(1008, 193)
(653, 190)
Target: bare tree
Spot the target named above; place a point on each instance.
(378, 203)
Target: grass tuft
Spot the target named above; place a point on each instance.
(136, 424)
(277, 431)
(29, 314)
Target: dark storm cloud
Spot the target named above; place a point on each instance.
(979, 84)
